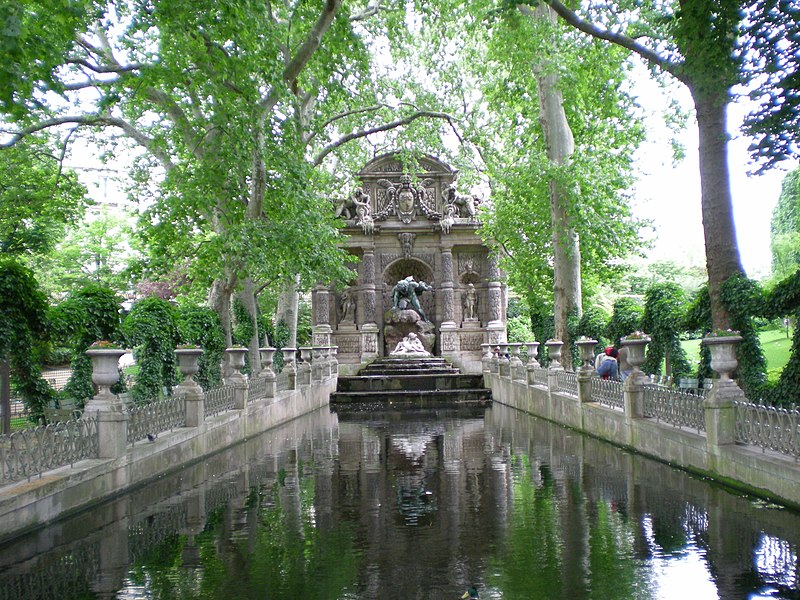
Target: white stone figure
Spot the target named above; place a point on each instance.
(410, 345)
(470, 303)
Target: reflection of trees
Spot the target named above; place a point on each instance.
(534, 562)
(530, 562)
(279, 553)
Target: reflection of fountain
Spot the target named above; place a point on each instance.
(414, 501)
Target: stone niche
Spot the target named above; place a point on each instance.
(413, 222)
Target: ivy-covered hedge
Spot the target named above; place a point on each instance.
(88, 314)
(23, 310)
(151, 329)
(663, 318)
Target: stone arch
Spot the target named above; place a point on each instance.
(402, 268)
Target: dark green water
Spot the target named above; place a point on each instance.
(416, 505)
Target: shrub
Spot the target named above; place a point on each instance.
(151, 329)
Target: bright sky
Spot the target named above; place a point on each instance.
(669, 194)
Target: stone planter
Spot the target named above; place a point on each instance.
(637, 348)
(723, 354)
(188, 362)
(586, 348)
(105, 368)
(554, 353)
(267, 356)
(236, 362)
(533, 352)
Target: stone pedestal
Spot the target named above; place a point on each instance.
(369, 342)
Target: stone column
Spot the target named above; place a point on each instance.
(503, 362)
(633, 388)
(321, 330)
(448, 334)
(517, 367)
(533, 364)
(369, 330)
(237, 379)
(316, 364)
(495, 327)
(720, 411)
(112, 418)
(554, 355)
(193, 395)
(290, 366)
(267, 373)
(304, 369)
(586, 370)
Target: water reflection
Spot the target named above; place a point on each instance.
(418, 504)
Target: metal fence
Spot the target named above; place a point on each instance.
(768, 427)
(677, 408)
(607, 393)
(219, 400)
(155, 417)
(567, 382)
(540, 376)
(256, 388)
(30, 452)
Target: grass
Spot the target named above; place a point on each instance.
(774, 343)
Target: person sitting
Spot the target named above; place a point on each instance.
(606, 363)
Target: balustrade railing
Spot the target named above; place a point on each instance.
(256, 388)
(607, 392)
(567, 382)
(219, 400)
(155, 417)
(768, 427)
(283, 381)
(30, 452)
(681, 409)
(540, 376)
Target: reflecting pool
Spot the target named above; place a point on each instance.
(417, 504)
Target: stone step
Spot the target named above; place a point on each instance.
(415, 382)
(391, 371)
(428, 398)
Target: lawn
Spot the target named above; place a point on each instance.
(774, 343)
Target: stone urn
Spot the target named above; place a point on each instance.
(533, 352)
(105, 367)
(636, 345)
(188, 362)
(236, 362)
(554, 353)
(267, 356)
(586, 348)
(723, 354)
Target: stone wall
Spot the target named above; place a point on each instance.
(26, 505)
(762, 472)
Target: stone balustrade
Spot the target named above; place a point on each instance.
(123, 447)
(719, 434)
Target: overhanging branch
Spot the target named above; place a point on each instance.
(93, 121)
(385, 127)
(619, 39)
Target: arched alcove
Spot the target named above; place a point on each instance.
(402, 268)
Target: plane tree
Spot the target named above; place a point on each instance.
(698, 43)
(235, 105)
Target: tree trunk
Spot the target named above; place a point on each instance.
(219, 300)
(248, 299)
(560, 146)
(722, 251)
(287, 311)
